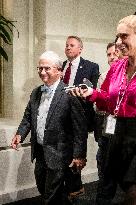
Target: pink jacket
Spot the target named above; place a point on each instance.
(115, 83)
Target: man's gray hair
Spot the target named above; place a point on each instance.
(52, 56)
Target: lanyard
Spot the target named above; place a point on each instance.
(119, 100)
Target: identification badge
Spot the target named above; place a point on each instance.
(110, 125)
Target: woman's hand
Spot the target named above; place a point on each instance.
(83, 93)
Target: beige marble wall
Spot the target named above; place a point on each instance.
(94, 21)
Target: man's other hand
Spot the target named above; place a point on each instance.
(15, 141)
(78, 163)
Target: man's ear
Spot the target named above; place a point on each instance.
(81, 49)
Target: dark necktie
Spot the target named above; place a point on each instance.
(67, 74)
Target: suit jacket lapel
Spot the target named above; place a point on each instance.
(58, 93)
(64, 63)
(79, 74)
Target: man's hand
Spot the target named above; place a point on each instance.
(15, 141)
(78, 163)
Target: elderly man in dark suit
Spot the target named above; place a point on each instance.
(58, 132)
(75, 69)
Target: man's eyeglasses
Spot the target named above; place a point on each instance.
(41, 68)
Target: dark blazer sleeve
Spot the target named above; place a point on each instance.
(25, 125)
(29, 120)
(79, 129)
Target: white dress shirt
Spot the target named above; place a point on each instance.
(43, 110)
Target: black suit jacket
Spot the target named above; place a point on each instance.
(89, 70)
(65, 135)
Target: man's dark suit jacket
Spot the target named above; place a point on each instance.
(65, 135)
(89, 70)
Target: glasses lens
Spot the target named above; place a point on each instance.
(40, 69)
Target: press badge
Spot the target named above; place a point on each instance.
(110, 125)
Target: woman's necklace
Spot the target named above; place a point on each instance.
(122, 94)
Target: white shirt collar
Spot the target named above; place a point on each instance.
(54, 85)
(75, 61)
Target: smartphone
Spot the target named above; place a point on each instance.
(68, 88)
(87, 82)
(83, 86)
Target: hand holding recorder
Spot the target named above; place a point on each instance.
(81, 90)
